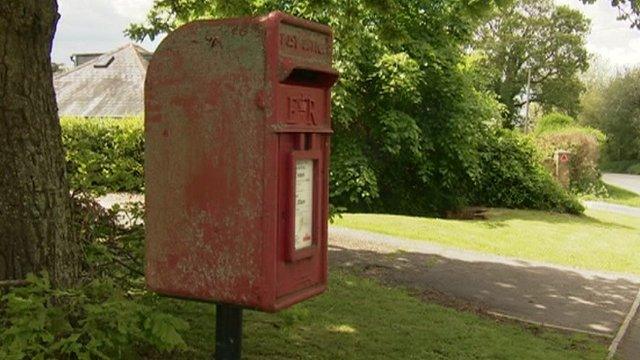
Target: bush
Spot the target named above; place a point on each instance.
(104, 155)
(97, 320)
(584, 145)
(110, 315)
(513, 176)
(553, 121)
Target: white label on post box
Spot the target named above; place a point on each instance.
(304, 204)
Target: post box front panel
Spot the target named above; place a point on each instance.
(302, 235)
(303, 123)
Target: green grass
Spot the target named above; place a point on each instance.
(361, 319)
(621, 166)
(598, 240)
(618, 195)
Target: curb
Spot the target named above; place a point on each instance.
(613, 348)
(549, 326)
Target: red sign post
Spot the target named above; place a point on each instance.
(237, 128)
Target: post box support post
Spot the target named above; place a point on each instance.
(228, 332)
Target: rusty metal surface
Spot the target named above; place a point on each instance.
(110, 85)
(218, 166)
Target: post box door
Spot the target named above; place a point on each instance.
(303, 153)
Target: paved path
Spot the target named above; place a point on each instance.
(595, 302)
(615, 208)
(564, 297)
(625, 181)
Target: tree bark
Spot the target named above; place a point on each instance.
(35, 206)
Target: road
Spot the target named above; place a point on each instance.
(625, 181)
(614, 208)
(564, 297)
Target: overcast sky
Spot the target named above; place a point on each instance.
(97, 26)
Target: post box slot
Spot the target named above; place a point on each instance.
(310, 77)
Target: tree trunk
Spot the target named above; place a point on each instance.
(35, 207)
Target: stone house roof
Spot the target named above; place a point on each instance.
(107, 85)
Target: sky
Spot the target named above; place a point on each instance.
(611, 40)
(97, 26)
(87, 26)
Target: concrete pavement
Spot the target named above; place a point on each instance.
(556, 296)
(625, 181)
(614, 208)
(562, 297)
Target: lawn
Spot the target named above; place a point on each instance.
(360, 319)
(618, 195)
(597, 240)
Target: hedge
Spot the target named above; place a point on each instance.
(513, 176)
(560, 132)
(104, 154)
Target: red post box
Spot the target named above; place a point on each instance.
(237, 127)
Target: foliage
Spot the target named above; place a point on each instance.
(110, 315)
(584, 145)
(554, 121)
(616, 195)
(407, 115)
(104, 155)
(538, 38)
(598, 241)
(614, 108)
(557, 131)
(621, 166)
(513, 176)
(634, 169)
(94, 321)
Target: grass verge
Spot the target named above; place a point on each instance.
(617, 195)
(621, 167)
(597, 240)
(360, 319)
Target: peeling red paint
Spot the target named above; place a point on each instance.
(228, 112)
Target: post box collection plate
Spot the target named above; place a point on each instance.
(237, 140)
(303, 232)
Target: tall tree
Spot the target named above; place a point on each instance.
(535, 42)
(406, 116)
(614, 107)
(35, 207)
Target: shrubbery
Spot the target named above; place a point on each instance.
(560, 132)
(110, 315)
(513, 176)
(107, 155)
(104, 155)
(554, 121)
